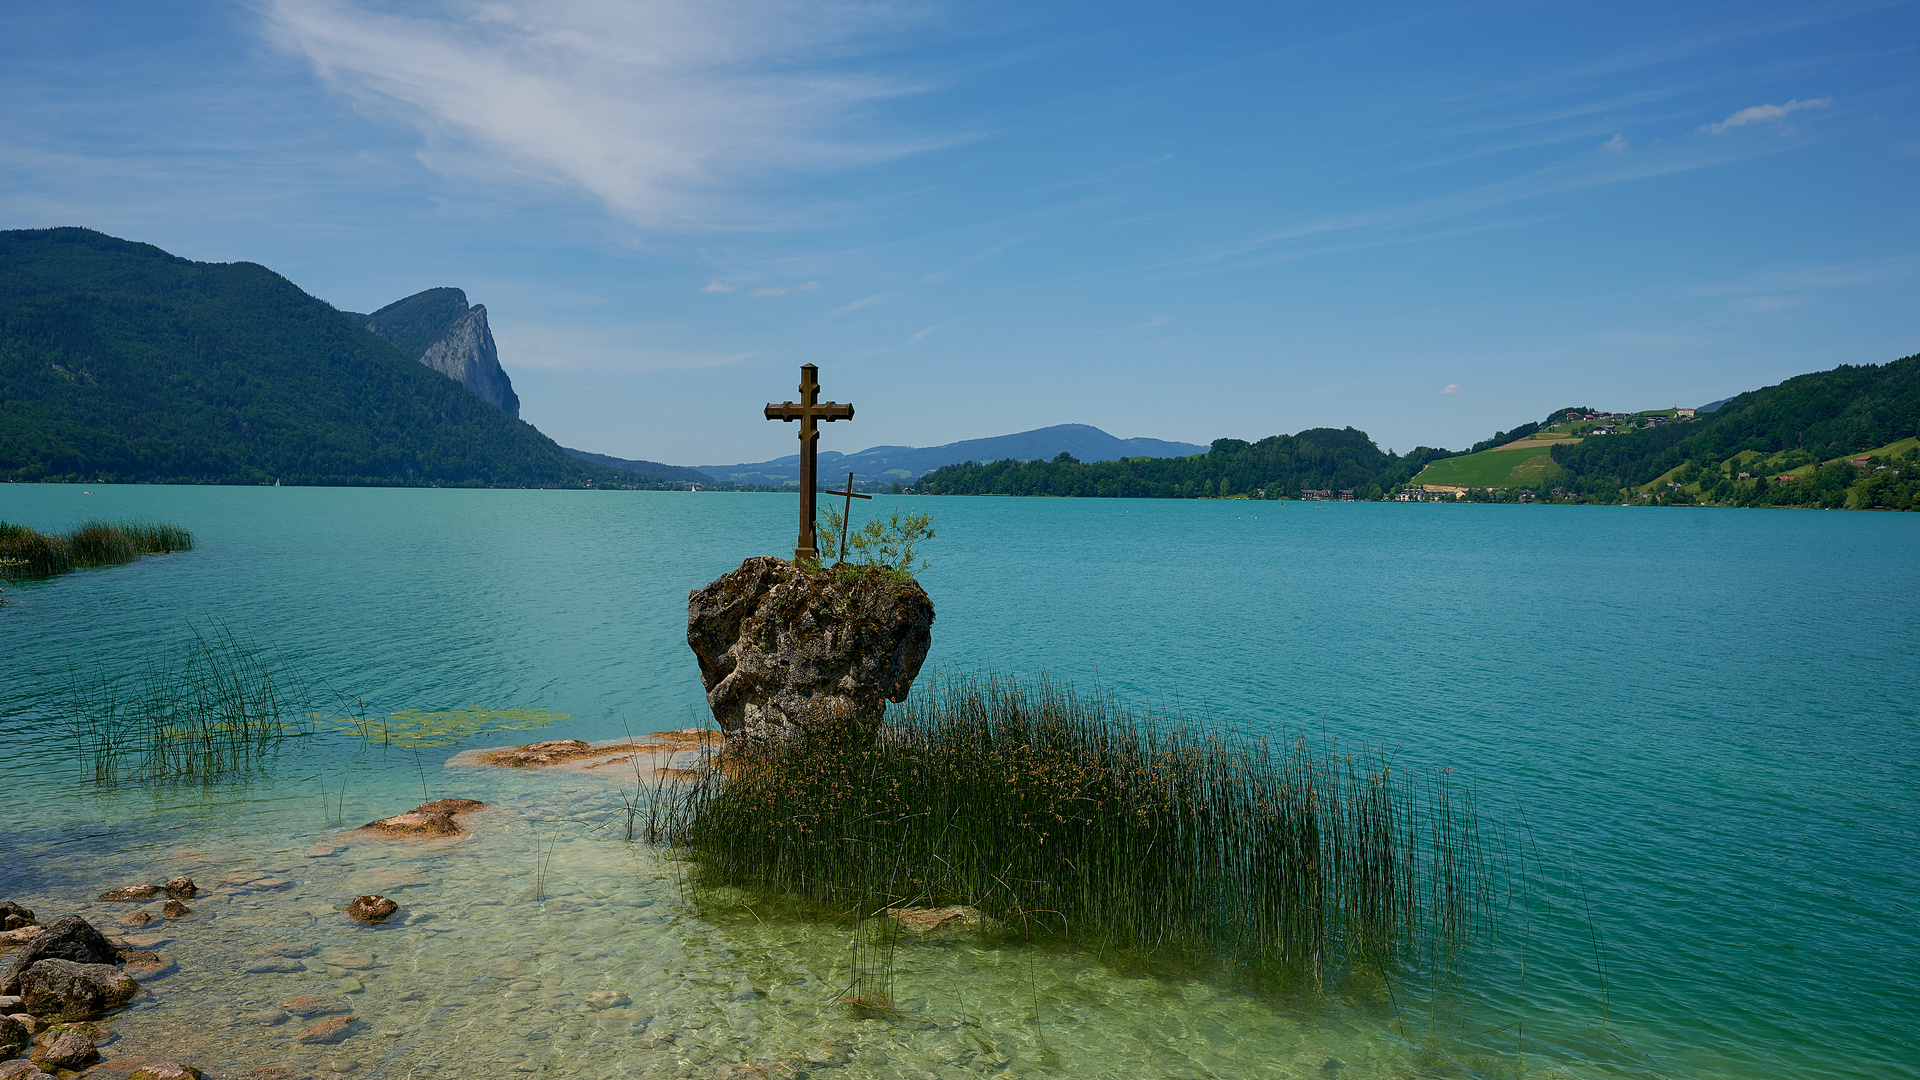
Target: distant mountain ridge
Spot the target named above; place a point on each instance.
(122, 363)
(437, 328)
(652, 470)
(905, 464)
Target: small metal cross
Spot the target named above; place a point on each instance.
(846, 514)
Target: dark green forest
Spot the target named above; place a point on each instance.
(1276, 467)
(122, 363)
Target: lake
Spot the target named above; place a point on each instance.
(1693, 730)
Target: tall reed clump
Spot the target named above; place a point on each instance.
(215, 705)
(27, 553)
(1062, 815)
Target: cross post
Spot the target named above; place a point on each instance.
(809, 411)
(847, 514)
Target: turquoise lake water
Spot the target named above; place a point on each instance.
(1699, 728)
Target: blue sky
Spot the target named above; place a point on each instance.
(1429, 221)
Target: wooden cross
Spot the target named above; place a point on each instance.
(846, 514)
(809, 411)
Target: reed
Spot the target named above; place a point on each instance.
(27, 553)
(210, 707)
(1064, 816)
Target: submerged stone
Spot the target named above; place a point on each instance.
(182, 888)
(426, 820)
(329, 1031)
(132, 892)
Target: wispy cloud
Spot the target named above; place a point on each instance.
(782, 290)
(1616, 145)
(716, 286)
(914, 340)
(1754, 114)
(1453, 388)
(662, 109)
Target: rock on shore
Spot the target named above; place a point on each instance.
(69, 938)
(781, 647)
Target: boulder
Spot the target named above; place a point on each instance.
(64, 990)
(21, 1069)
(174, 909)
(66, 1046)
(14, 1037)
(13, 916)
(126, 893)
(67, 938)
(371, 909)
(182, 888)
(32, 1023)
(783, 647)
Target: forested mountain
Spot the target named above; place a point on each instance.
(120, 362)
(1279, 466)
(1789, 440)
(651, 470)
(1820, 416)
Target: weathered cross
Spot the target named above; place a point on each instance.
(809, 411)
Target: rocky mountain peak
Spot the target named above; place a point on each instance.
(438, 329)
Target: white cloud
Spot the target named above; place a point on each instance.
(716, 286)
(771, 290)
(1618, 144)
(662, 109)
(1754, 114)
(1453, 388)
(805, 285)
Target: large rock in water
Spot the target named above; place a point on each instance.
(64, 990)
(781, 647)
(69, 938)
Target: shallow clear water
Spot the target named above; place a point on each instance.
(1701, 723)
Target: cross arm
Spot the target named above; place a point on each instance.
(786, 410)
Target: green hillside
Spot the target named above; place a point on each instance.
(120, 362)
(1525, 467)
(1786, 430)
